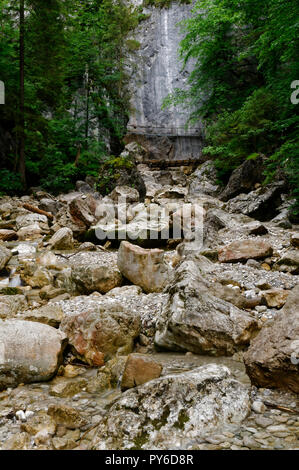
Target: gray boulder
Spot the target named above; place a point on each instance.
(167, 412)
(244, 178)
(272, 361)
(195, 320)
(29, 352)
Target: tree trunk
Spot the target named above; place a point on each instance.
(87, 107)
(22, 170)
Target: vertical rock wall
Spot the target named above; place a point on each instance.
(156, 71)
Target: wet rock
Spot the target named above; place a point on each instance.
(243, 178)
(19, 441)
(243, 250)
(145, 268)
(95, 272)
(273, 356)
(66, 416)
(139, 369)
(99, 328)
(29, 352)
(5, 255)
(173, 409)
(275, 298)
(195, 320)
(35, 276)
(62, 239)
(67, 387)
(39, 422)
(8, 235)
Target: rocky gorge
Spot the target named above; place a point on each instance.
(123, 328)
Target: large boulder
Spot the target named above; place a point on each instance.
(62, 239)
(204, 180)
(95, 272)
(144, 268)
(147, 226)
(244, 178)
(261, 204)
(195, 320)
(29, 352)
(5, 255)
(272, 361)
(243, 250)
(99, 328)
(174, 409)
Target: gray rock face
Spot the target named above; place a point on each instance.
(195, 320)
(29, 352)
(157, 71)
(168, 411)
(273, 357)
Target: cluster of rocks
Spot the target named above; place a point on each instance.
(93, 289)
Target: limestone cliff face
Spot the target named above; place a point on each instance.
(156, 71)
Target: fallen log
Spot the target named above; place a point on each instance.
(36, 210)
(280, 407)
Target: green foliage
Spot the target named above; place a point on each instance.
(245, 57)
(132, 44)
(10, 182)
(10, 291)
(110, 172)
(76, 98)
